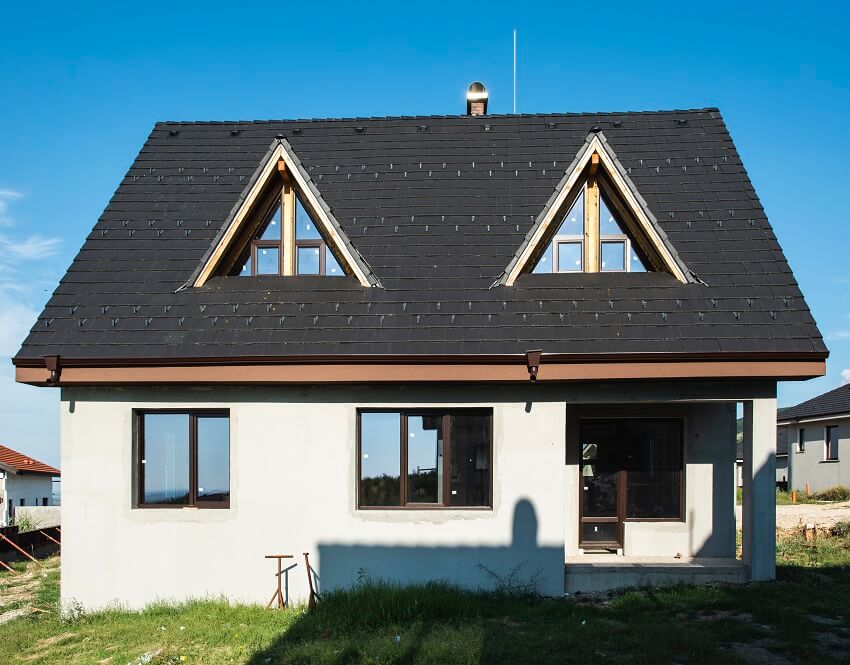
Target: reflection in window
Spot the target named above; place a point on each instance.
(213, 458)
(311, 254)
(165, 460)
(567, 251)
(447, 459)
(570, 254)
(380, 459)
(424, 459)
(174, 448)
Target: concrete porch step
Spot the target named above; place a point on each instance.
(593, 573)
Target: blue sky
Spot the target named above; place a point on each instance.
(81, 89)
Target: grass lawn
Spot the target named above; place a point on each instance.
(803, 617)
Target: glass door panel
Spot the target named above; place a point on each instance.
(600, 485)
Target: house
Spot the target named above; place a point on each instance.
(781, 459)
(463, 348)
(24, 481)
(817, 431)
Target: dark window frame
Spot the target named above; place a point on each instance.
(828, 449)
(622, 482)
(138, 456)
(403, 490)
(801, 440)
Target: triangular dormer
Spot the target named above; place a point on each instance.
(282, 227)
(595, 222)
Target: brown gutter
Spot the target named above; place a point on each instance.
(408, 369)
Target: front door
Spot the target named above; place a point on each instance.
(601, 515)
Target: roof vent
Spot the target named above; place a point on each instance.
(476, 99)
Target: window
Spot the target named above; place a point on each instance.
(44, 501)
(590, 238)
(801, 440)
(183, 459)
(425, 459)
(23, 502)
(268, 251)
(831, 439)
(638, 459)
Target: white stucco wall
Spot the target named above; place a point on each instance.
(810, 466)
(31, 488)
(293, 468)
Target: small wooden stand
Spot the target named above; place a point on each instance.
(278, 594)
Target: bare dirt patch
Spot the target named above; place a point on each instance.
(824, 515)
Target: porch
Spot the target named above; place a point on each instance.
(594, 573)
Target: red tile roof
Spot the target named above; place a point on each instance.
(23, 464)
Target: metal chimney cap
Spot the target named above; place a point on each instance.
(476, 99)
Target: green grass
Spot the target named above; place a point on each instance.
(378, 623)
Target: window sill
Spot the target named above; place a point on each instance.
(829, 461)
(669, 520)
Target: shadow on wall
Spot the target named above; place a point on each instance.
(522, 564)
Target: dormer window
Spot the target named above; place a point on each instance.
(590, 238)
(595, 221)
(268, 253)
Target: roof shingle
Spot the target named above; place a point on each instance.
(437, 206)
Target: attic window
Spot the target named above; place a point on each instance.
(591, 237)
(306, 253)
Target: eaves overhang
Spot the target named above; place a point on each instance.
(341, 369)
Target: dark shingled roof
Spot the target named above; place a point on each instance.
(832, 403)
(437, 207)
(781, 444)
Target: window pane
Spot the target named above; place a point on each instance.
(272, 225)
(268, 260)
(165, 461)
(599, 532)
(332, 266)
(599, 468)
(380, 459)
(308, 260)
(569, 256)
(305, 228)
(470, 460)
(573, 224)
(832, 443)
(545, 263)
(213, 458)
(613, 256)
(424, 459)
(246, 269)
(635, 264)
(608, 224)
(652, 452)
(801, 441)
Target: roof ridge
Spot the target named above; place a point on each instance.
(575, 114)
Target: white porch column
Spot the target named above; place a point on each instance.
(759, 502)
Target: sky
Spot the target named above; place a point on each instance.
(81, 87)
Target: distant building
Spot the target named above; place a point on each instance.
(24, 481)
(815, 433)
(782, 477)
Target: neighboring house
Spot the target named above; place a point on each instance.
(781, 459)
(818, 435)
(24, 481)
(419, 348)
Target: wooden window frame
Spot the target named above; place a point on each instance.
(592, 239)
(622, 486)
(446, 415)
(138, 456)
(828, 451)
(288, 244)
